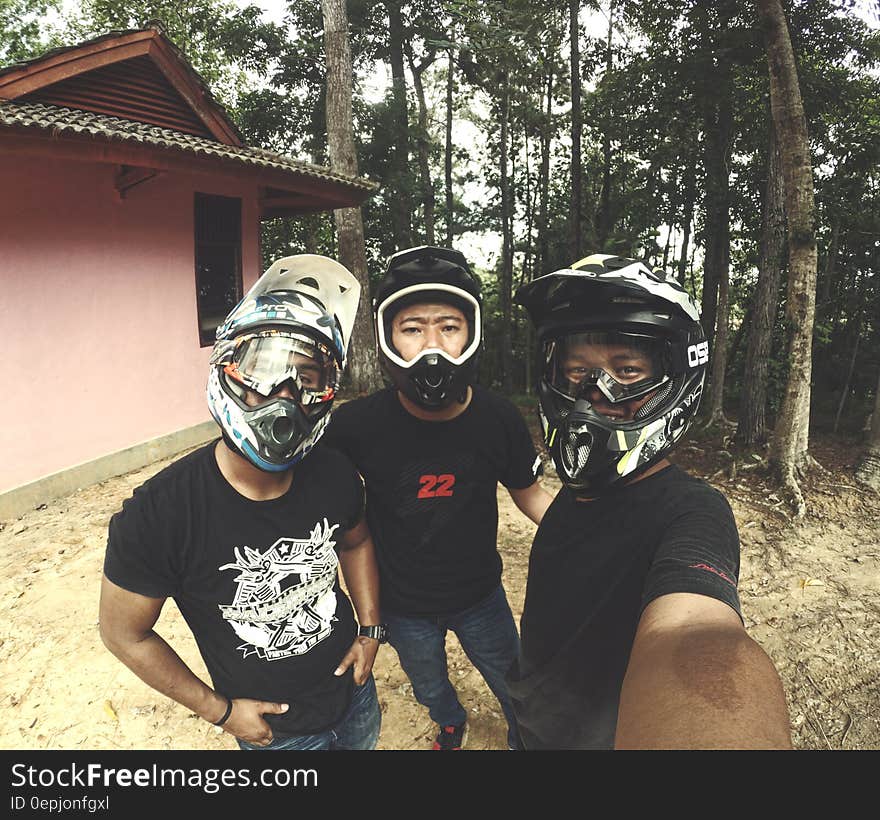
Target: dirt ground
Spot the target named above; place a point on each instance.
(810, 593)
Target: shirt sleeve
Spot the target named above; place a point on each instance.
(698, 553)
(345, 480)
(523, 462)
(138, 557)
(335, 435)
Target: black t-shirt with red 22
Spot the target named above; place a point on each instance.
(431, 494)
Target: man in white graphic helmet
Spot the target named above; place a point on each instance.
(247, 534)
(631, 630)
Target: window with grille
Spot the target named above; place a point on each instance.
(218, 260)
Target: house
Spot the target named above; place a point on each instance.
(129, 225)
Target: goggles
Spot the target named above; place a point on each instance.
(622, 366)
(266, 360)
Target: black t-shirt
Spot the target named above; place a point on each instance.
(431, 494)
(256, 581)
(594, 566)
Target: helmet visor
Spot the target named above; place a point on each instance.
(621, 366)
(265, 361)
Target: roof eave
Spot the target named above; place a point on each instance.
(313, 192)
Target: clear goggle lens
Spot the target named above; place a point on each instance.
(265, 361)
(622, 366)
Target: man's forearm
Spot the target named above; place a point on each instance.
(362, 579)
(701, 688)
(158, 665)
(532, 501)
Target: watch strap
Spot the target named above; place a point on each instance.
(377, 632)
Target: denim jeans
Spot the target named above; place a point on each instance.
(487, 634)
(358, 729)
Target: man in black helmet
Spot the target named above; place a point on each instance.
(631, 630)
(432, 449)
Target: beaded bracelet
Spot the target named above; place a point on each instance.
(227, 713)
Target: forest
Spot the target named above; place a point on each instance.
(735, 145)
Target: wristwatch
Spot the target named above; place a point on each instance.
(379, 632)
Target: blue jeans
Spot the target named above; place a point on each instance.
(357, 729)
(487, 634)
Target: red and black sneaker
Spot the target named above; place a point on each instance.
(450, 738)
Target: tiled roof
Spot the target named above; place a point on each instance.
(71, 121)
(116, 34)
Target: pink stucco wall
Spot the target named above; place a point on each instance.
(98, 311)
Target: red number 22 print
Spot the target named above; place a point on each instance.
(436, 485)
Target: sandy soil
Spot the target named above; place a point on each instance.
(810, 593)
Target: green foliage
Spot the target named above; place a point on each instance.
(23, 30)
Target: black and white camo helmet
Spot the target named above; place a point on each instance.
(621, 305)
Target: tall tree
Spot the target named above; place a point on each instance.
(363, 369)
(506, 283)
(577, 206)
(447, 151)
(752, 426)
(791, 435)
(417, 69)
(399, 179)
(603, 216)
(717, 94)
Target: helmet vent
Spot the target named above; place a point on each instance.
(310, 282)
(654, 402)
(576, 452)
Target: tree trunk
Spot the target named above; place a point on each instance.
(506, 244)
(398, 182)
(752, 427)
(791, 436)
(719, 358)
(450, 204)
(868, 469)
(717, 135)
(718, 122)
(849, 373)
(576, 210)
(427, 186)
(603, 226)
(544, 180)
(716, 266)
(363, 368)
(687, 216)
(824, 301)
(529, 204)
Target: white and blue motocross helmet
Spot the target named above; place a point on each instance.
(292, 328)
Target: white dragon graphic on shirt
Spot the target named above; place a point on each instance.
(278, 622)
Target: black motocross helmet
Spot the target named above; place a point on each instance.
(625, 310)
(433, 379)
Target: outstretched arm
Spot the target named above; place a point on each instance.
(696, 680)
(532, 501)
(127, 620)
(357, 558)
